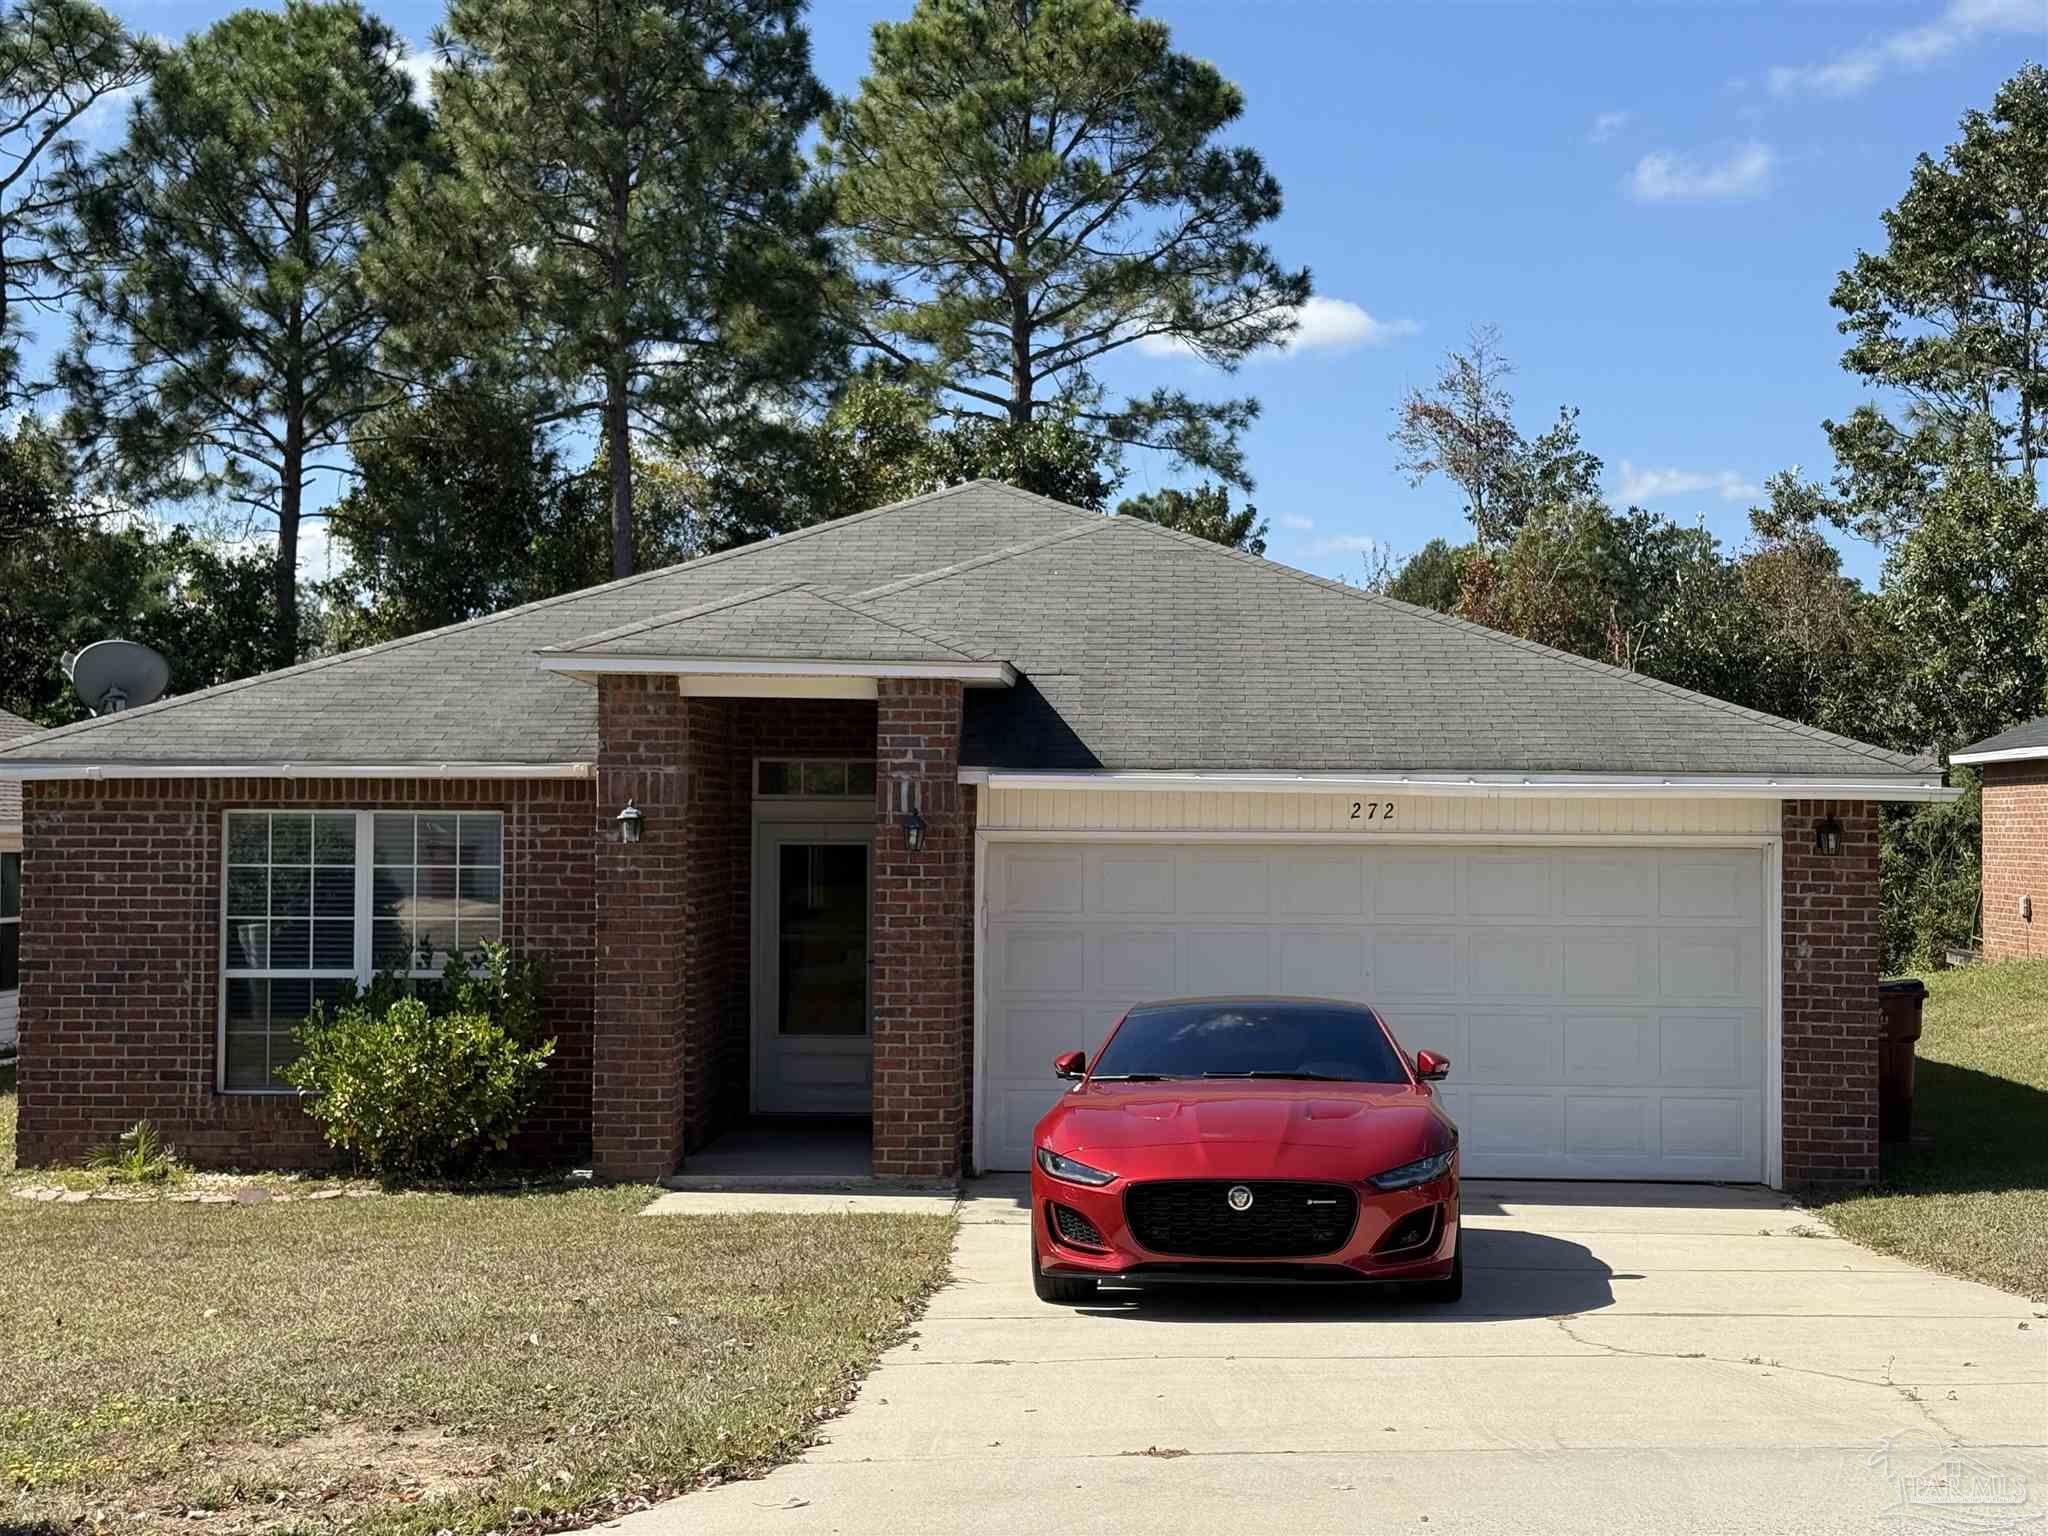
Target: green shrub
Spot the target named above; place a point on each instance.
(139, 1157)
(432, 1081)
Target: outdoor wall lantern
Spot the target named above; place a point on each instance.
(629, 823)
(1827, 837)
(913, 830)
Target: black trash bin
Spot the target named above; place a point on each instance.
(1900, 1002)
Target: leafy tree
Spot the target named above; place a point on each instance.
(1205, 512)
(626, 227)
(1953, 313)
(58, 60)
(1029, 186)
(71, 574)
(1463, 427)
(225, 345)
(1429, 578)
(462, 507)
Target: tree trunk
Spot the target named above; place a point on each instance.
(618, 447)
(284, 644)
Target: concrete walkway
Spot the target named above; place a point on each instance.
(1628, 1358)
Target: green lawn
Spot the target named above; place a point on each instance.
(1973, 1198)
(415, 1363)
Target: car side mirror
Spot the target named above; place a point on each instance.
(1073, 1066)
(1432, 1068)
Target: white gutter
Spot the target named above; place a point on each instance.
(31, 772)
(1438, 782)
(999, 673)
(2007, 755)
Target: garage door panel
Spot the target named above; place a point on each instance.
(1610, 1048)
(1607, 884)
(1043, 960)
(1414, 963)
(1040, 880)
(1318, 885)
(1603, 1008)
(1133, 962)
(1414, 884)
(1134, 882)
(1511, 962)
(1513, 1046)
(1618, 963)
(1711, 964)
(1322, 962)
(1507, 885)
(1223, 883)
(1215, 960)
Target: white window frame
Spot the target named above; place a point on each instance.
(10, 850)
(363, 970)
(862, 796)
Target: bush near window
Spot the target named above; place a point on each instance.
(428, 1078)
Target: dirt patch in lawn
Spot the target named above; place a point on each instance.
(359, 1464)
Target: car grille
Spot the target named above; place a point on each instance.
(1285, 1219)
(1075, 1228)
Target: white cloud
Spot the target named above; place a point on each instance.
(1960, 22)
(419, 64)
(1325, 325)
(1294, 522)
(1607, 125)
(1641, 485)
(1351, 544)
(1665, 176)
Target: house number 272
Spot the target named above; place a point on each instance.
(1372, 810)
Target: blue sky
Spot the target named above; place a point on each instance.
(1651, 200)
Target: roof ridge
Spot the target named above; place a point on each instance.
(1008, 552)
(673, 616)
(318, 663)
(1639, 679)
(909, 627)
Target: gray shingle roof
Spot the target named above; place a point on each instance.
(1138, 648)
(12, 728)
(2031, 737)
(787, 623)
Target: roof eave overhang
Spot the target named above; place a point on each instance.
(37, 772)
(1495, 785)
(2006, 755)
(981, 674)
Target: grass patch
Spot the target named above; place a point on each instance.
(424, 1362)
(1972, 1199)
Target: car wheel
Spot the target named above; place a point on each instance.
(1058, 1289)
(1451, 1287)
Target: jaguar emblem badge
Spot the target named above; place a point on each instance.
(1239, 1197)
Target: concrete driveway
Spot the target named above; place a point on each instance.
(1629, 1358)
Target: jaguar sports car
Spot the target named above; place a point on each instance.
(1251, 1139)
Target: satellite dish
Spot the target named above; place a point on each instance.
(111, 675)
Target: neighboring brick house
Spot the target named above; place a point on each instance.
(2015, 769)
(928, 795)
(12, 728)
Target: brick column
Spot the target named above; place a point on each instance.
(922, 942)
(637, 1045)
(1831, 1021)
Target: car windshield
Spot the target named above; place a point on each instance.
(1308, 1041)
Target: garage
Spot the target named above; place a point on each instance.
(1604, 1007)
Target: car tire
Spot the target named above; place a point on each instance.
(1058, 1290)
(1451, 1287)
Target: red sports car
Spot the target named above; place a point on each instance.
(1247, 1139)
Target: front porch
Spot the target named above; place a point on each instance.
(783, 982)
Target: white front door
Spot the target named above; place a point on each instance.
(1604, 1008)
(813, 1050)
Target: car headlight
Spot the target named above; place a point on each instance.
(1421, 1171)
(1066, 1168)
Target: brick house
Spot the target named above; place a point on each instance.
(2015, 862)
(869, 821)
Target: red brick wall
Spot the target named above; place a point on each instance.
(1831, 1019)
(923, 935)
(2015, 859)
(120, 945)
(638, 1046)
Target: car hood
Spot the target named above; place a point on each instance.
(1246, 1130)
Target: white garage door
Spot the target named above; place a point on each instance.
(1603, 1009)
